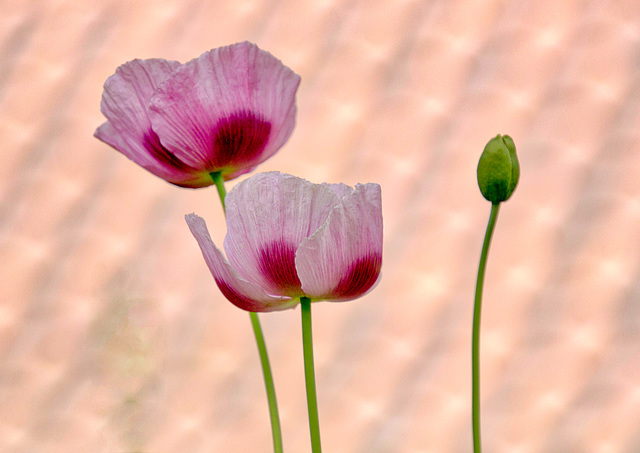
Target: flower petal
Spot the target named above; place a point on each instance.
(125, 103)
(228, 110)
(239, 292)
(268, 216)
(340, 189)
(342, 260)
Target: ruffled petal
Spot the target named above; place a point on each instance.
(239, 292)
(340, 189)
(342, 260)
(228, 110)
(125, 104)
(268, 216)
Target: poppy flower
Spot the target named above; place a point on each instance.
(288, 238)
(226, 111)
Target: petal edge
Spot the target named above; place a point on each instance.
(241, 293)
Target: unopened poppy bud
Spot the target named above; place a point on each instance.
(498, 169)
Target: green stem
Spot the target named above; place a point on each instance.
(475, 340)
(309, 374)
(268, 383)
(262, 347)
(219, 182)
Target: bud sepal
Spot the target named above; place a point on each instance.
(498, 169)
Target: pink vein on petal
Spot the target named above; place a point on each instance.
(241, 293)
(238, 139)
(277, 263)
(360, 278)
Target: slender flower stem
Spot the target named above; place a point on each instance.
(222, 192)
(309, 374)
(268, 383)
(262, 347)
(475, 341)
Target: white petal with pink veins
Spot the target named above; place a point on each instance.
(342, 260)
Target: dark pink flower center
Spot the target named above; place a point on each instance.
(239, 139)
(360, 278)
(162, 154)
(277, 264)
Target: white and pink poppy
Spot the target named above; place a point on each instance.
(226, 111)
(288, 238)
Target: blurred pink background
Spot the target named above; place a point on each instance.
(114, 337)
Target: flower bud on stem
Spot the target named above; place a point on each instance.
(498, 174)
(498, 169)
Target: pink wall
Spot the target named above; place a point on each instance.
(114, 337)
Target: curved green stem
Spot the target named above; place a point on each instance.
(475, 335)
(309, 374)
(262, 348)
(268, 383)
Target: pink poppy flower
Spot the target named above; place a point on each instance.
(226, 111)
(288, 238)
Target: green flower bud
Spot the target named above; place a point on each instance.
(498, 169)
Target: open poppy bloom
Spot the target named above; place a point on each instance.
(226, 111)
(288, 238)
